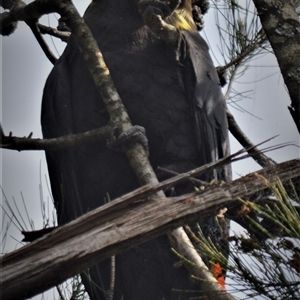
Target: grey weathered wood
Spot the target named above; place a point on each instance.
(118, 226)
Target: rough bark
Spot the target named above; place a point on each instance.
(119, 226)
(281, 24)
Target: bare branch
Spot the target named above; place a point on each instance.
(74, 140)
(253, 151)
(36, 32)
(63, 35)
(18, 11)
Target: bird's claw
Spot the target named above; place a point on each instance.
(157, 7)
(118, 141)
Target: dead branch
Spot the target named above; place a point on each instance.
(17, 11)
(73, 140)
(118, 226)
(63, 35)
(40, 39)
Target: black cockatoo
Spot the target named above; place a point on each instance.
(173, 91)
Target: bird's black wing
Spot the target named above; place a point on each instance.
(210, 129)
(208, 104)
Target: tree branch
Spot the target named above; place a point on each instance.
(36, 32)
(243, 55)
(234, 128)
(119, 226)
(63, 35)
(253, 151)
(8, 20)
(74, 140)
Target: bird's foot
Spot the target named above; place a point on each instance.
(118, 141)
(154, 12)
(156, 7)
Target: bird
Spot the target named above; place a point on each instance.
(174, 93)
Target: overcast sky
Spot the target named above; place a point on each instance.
(262, 115)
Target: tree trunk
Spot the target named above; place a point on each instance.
(281, 24)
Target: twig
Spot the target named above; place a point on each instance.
(253, 151)
(194, 180)
(63, 35)
(36, 32)
(244, 53)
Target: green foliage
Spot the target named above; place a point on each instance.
(267, 267)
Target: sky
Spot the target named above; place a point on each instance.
(261, 115)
